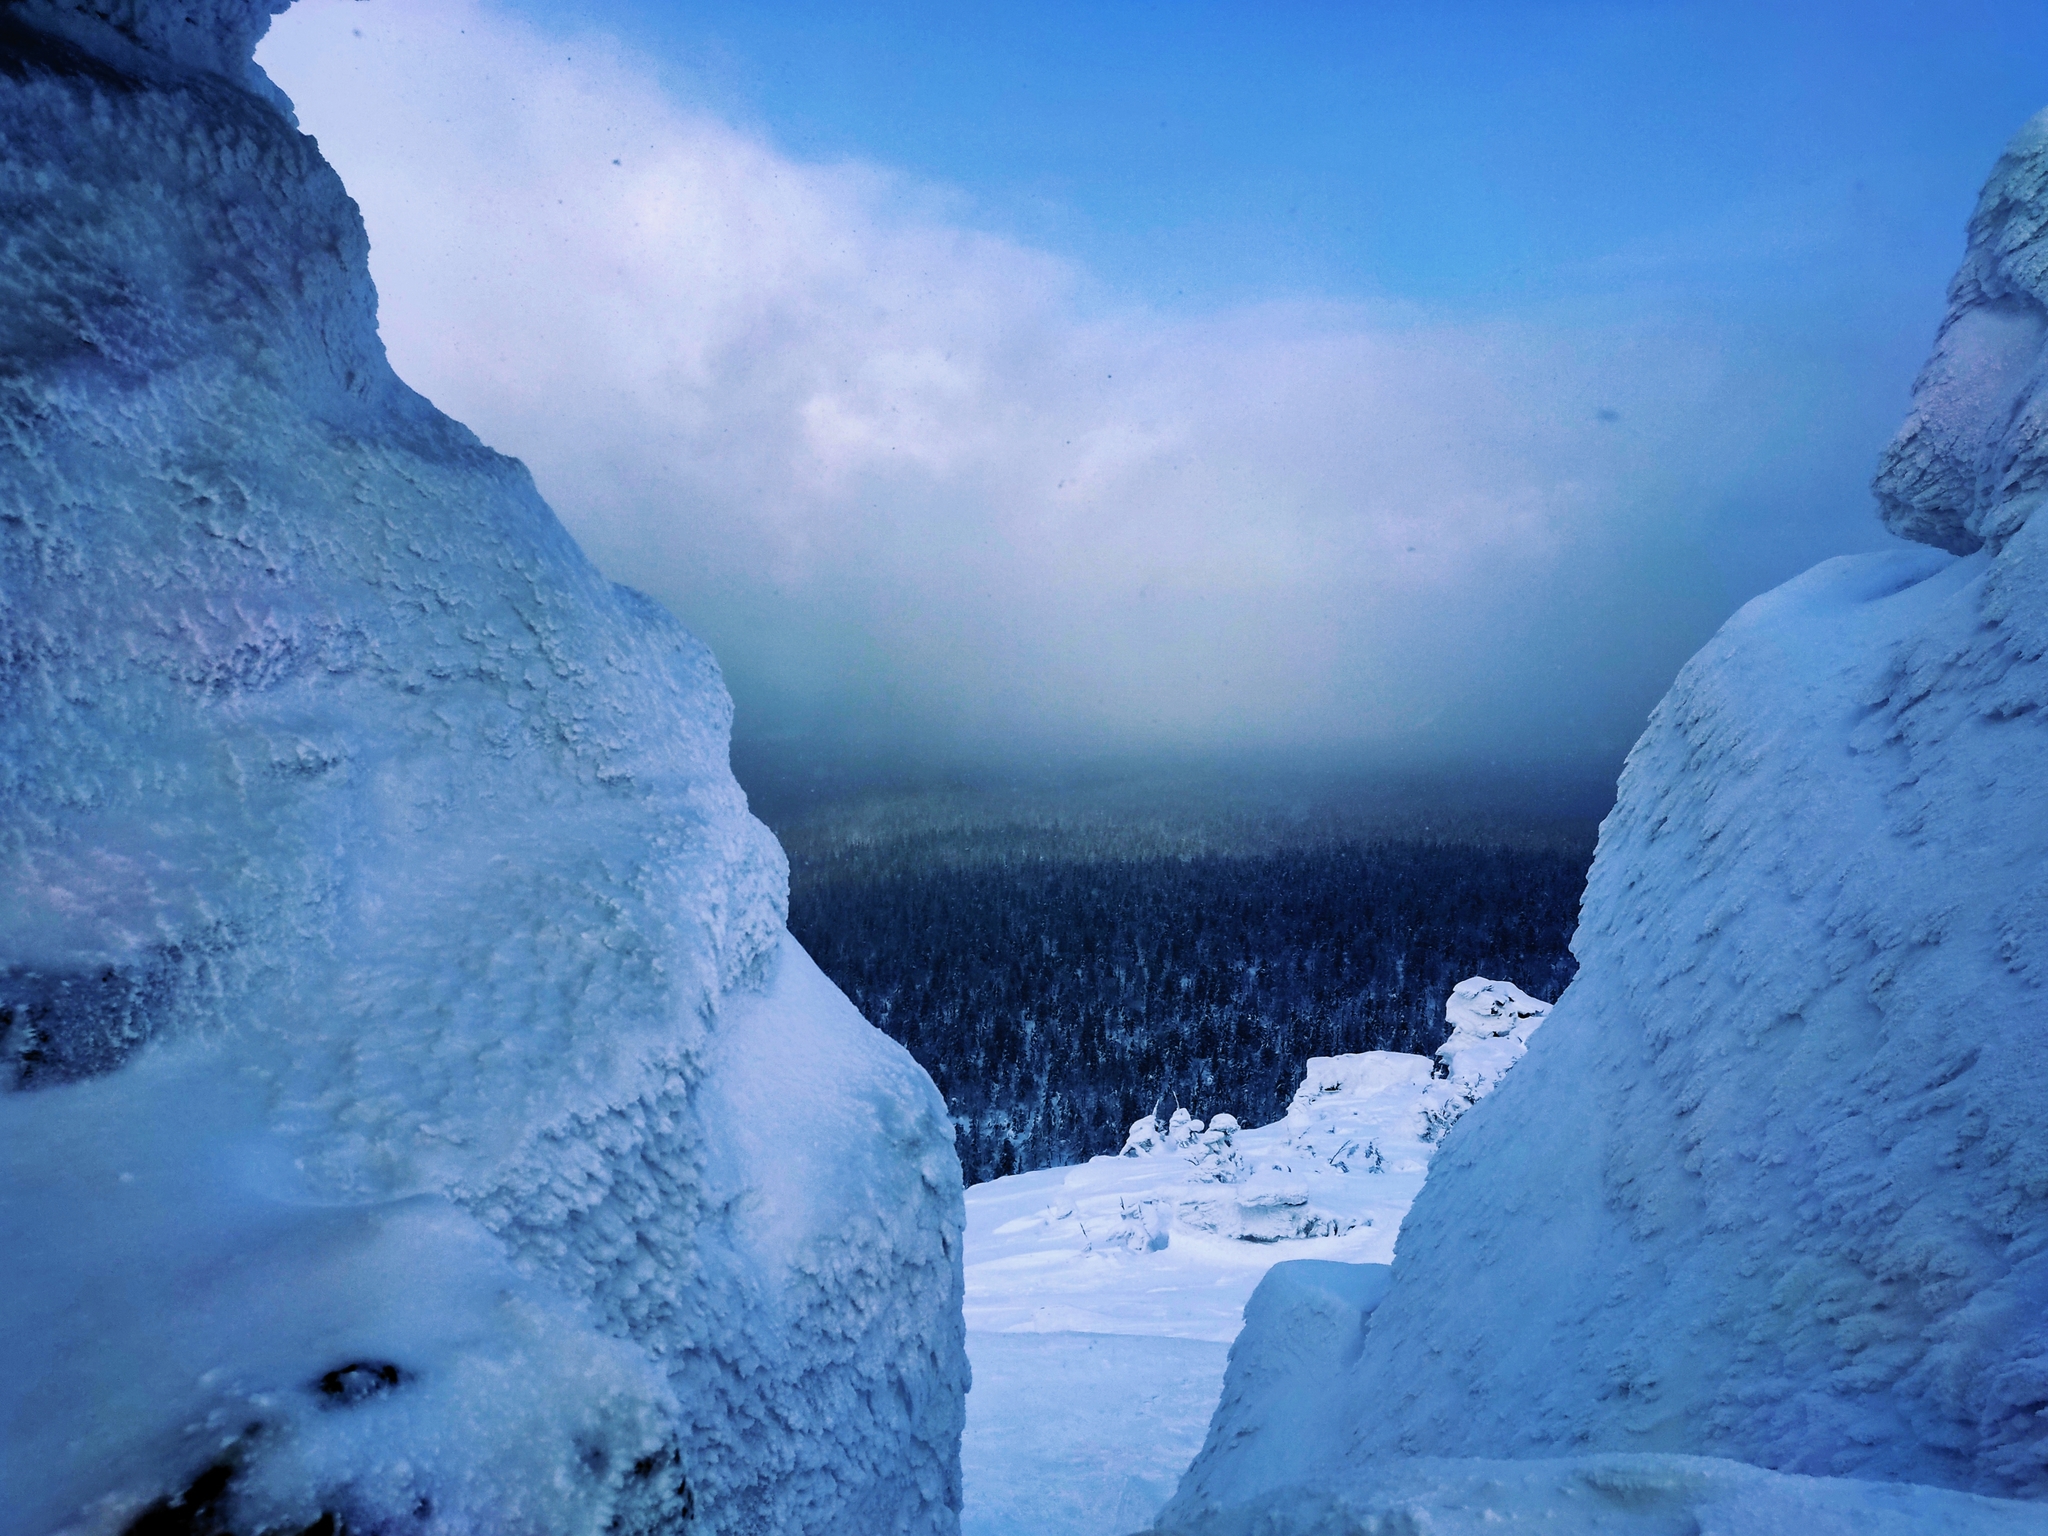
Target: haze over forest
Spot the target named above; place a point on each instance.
(1349, 392)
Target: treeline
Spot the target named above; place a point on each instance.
(1054, 998)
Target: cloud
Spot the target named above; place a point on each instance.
(920, 485)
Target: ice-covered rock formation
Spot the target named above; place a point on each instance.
(1772, 1184)
(1369, 1112)
(1170, 1235)
(1971, 463)
(399, 1039)
(1491, 1022)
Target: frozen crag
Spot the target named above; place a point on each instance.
(1970, 465)
(413, 1114)
(1772, 1185)
(1491, 1022)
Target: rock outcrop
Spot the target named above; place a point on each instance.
(399, 1034)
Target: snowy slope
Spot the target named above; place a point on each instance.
(1772, 1184)
(1101, 1298)
(413, 1107)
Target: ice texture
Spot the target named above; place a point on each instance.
(216, 36)
(412, 1108)
(1771, 1185)
(1971, 463)
(1618, 1494)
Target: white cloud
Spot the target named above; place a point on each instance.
(908, 477)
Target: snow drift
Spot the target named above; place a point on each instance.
(1772, 1185)
(415, 1113)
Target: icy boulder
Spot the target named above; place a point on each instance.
(1491, 1022)
(1303, 1329)
(399, 1039)
(1971, 463)
(1771, 1184)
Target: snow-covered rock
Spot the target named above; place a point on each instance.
(1970, 465)
(414, 1110)
(1100, 1298)
(1491, 1022)
(1772, 1184)
(1351, 1114)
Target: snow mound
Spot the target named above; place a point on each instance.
(1772, 1184)
(398, 1032)
(1303, 1329)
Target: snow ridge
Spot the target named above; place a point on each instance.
(392, 979)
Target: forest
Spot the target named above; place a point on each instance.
(1058, 986)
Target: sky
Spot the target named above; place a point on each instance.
(1394, 385)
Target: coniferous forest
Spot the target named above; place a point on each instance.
(1059, 986)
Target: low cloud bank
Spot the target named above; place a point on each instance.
(924, 488)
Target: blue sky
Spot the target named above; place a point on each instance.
(1391, 381)
(1479, 155)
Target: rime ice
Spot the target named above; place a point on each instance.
(393, 982)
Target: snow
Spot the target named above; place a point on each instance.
(1081, 1433)
(1760, 1225)
(1611, 1495)
(1971, 462)
(411, 1103)
(1101, 1299)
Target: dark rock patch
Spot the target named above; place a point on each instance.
(359, 1380)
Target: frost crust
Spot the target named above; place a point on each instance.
(1970, 464)
(392, 978)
